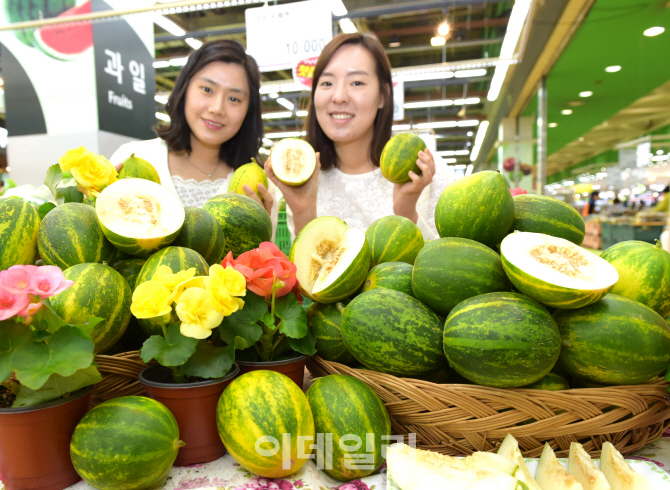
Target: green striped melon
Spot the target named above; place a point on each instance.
(479, 207)
(551, 382)
(130, 269)
(177, 259)
(126, 443)
(332, 259)
(99, 291)
(450, 270)
(615, 341)
(250, 174)
(263, 419)
(203, 233)
(134, 336)
(504, 340)
(394, 239)
(390, 275)
(391, 332)
(19, 226)
(644, 273)
(245, 223)
(344, 406)
(399, 157)
(544, 214)
(139, 216)
(555, 271)
(139, 168)
(326, 324)
(70, 235)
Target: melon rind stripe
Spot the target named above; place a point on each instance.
(544, 214)
(19, 227)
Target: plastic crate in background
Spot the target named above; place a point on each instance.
(283, 237)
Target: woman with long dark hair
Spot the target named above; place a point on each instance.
(215, 125)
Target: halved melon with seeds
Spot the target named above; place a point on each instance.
(332, 259)
(139, 216)
(293, 161)
(555, 271)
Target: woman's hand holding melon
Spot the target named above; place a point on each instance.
(405, 196)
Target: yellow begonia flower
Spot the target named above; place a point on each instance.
(71, 158)
(150, 300)
(223, 286)
(165, 276)
(197, 314)
(194, 282)
(94, 172)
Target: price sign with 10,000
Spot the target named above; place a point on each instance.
(305, 48)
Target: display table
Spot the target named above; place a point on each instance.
(225, 474)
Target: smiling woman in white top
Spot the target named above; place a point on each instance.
(348, 123)
(215, 126)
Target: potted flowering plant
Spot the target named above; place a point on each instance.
(46, 375)
(272, 329)
(194, 365)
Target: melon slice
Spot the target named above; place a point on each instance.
(552, 475)
(555, 271)
(293, 161)
(582, 467)
(510, 450)
(332, 260)
(415, 469)
(618, 472)
(139, 216)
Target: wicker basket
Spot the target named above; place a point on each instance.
(120, 377)
(458, 419)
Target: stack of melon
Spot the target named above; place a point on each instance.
(505, 298)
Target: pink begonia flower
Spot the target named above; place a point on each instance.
(48, 280)
(10, 303)
(18, 279)
(30, 310)
(518, 191)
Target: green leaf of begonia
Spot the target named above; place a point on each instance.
(209, 361)
(69, 349)
(57, 386)
(71, 194)
(12, 336)
(44, 209)
(305, 345)
(173, 350)
(53, 178)
(243, 323)
(294, 318)
(48, 319)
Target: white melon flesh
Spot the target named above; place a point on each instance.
(510, 450)
(582, 467)
(558, 261)
(414, 469)
(139, 208)
(618, 472)
(552, 475)
(338, 261)
(293, 161)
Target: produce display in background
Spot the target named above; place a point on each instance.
(399, 157)
(250, 174)
(293, 161)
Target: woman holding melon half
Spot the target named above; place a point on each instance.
(348, 124)
(215, 127)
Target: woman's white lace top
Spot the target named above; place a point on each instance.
(195, 193)
(362, 199)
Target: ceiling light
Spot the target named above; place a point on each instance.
(451, 160)
(516, 20)
(447, 124)
(178, 61)
(277, 115)
(162, 117)
(394, 42)
(471, 73)
(566, 112)
(267, 142)
(288, 134)
(479, 140)
(438, 41)
(161, 99)
(168, 25)
(161, 64)
(462, 152)
(469, 170)
(194, 43)
(441, 103)
(401, 127)
(347, 26)
(654, 31)
(581, 138)
(301, 113)
(587, 93)
(286, 103)
(497, 82)
(273, 96)
(443, 29)
(552, 125)
(468, 123)
(470, 133)
(2, 82)
(417, 77)
(613, 69)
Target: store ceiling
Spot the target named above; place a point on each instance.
(477, 30)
